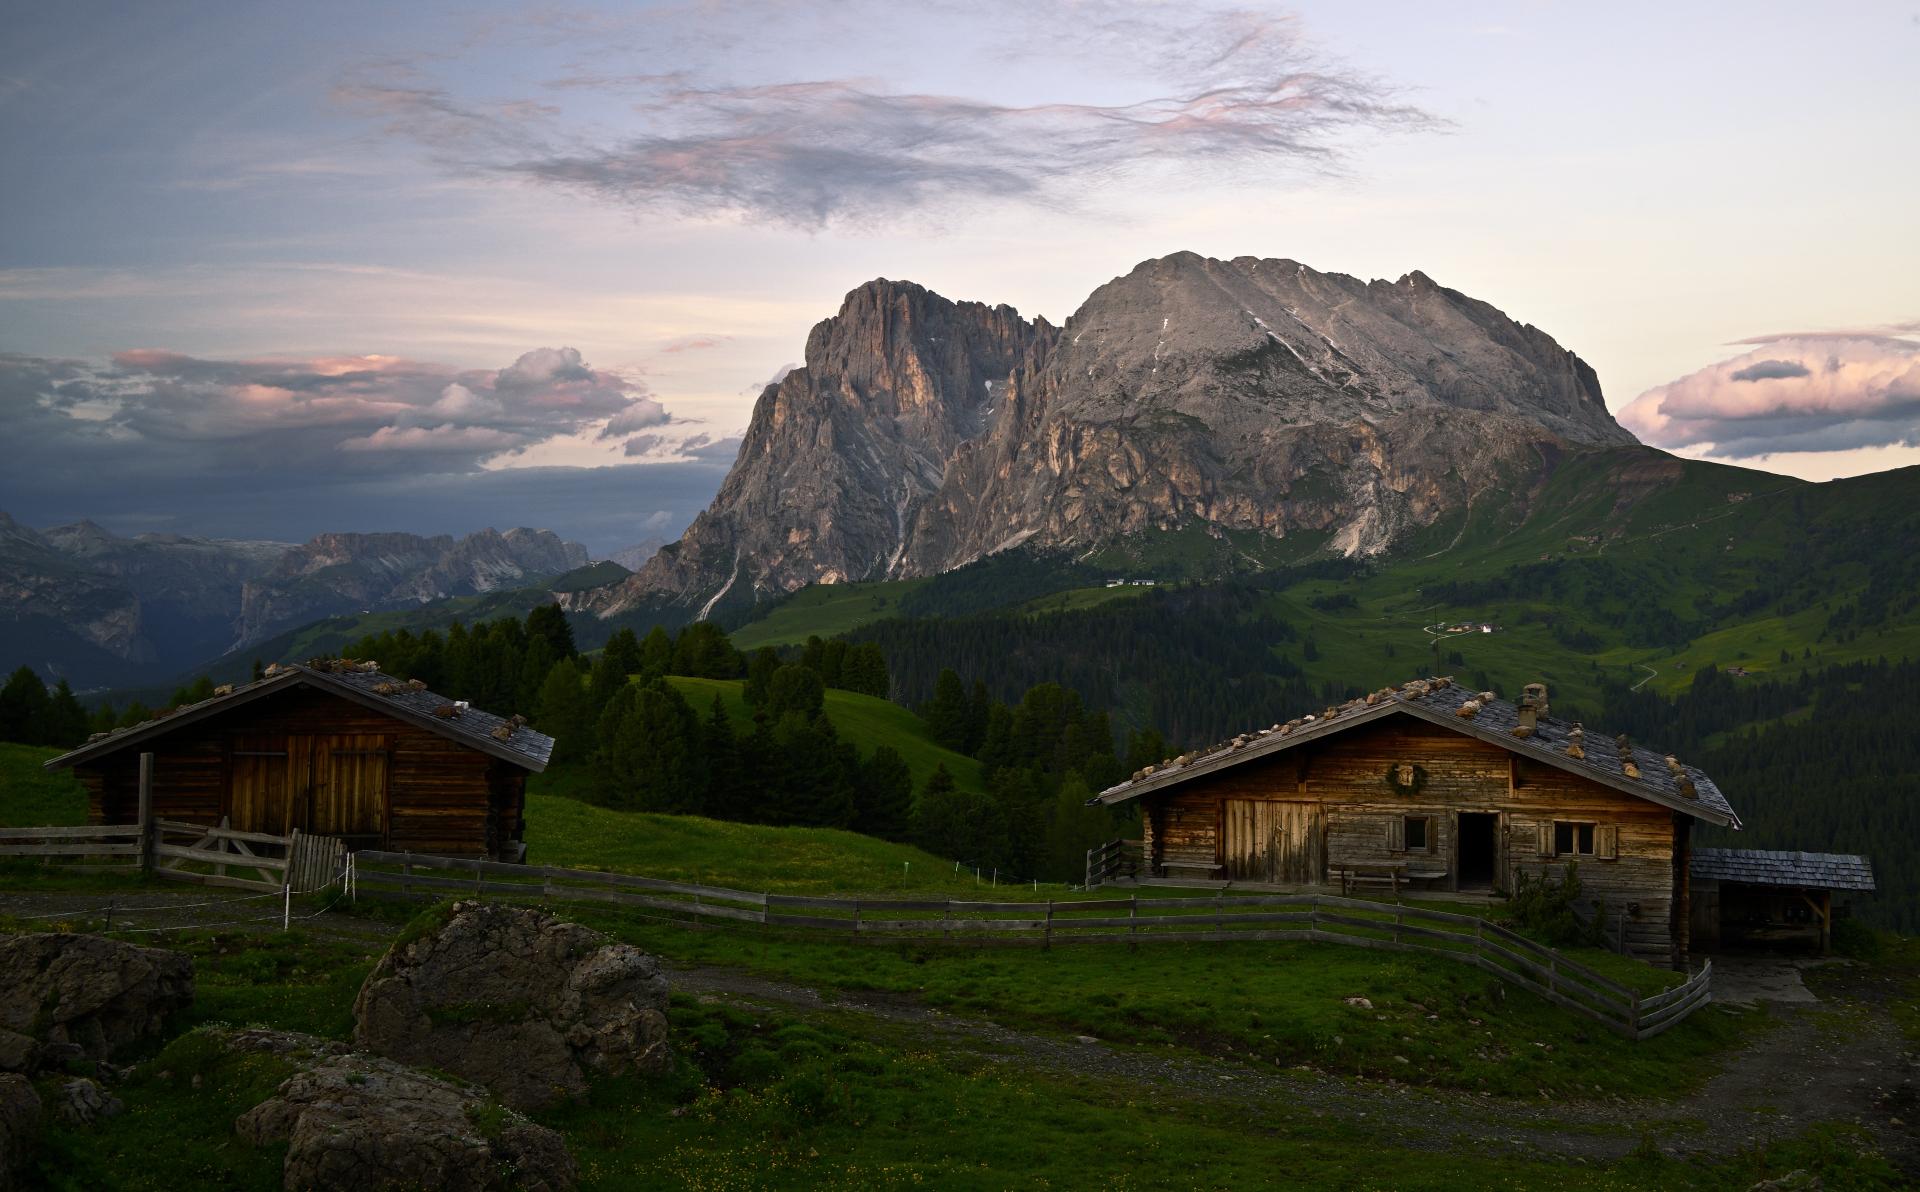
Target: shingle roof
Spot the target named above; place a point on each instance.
(1761, 867)
(1440, 701)
(518, 744)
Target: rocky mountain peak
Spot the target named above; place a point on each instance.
(1249, 394)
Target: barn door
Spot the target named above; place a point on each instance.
(350, 788)
(1267, 841)
(257, 798)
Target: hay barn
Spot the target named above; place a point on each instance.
(333, 748)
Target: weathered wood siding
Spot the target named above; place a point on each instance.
(312, 760)
(1348, 781)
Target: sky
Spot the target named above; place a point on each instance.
(268, 270)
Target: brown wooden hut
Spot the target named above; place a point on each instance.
(1749, 897)
(334, 748)
(1431, 786)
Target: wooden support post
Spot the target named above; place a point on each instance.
(856, 919)
(1048, 942)
(147, 840)
(290, 876)
(406, 878)
(1133, 920)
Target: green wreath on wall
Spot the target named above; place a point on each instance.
(1407, 777)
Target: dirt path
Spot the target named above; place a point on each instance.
(1840, 1059)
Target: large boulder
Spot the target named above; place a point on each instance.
(524, 1003)
(351, 1120)
(19, 1127)
(83, 996)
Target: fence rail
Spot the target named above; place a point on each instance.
(1114, 859)
(88, 847)
(1494, 949)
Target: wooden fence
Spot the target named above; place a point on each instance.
(1047, 923)
(1112, 860)
(180, 851)
(92, 847)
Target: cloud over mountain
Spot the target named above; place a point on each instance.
(161, 431)
(1206, 92)
(1822, 391)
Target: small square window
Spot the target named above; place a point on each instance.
(1572, 839)
(1417, 833)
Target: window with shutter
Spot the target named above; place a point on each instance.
(1417, 834)
(1546, 839)
(1396, 835)
(1573, 839)
(1607, 846)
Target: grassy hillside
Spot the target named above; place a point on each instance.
(825, 610)
(861, 719)
(568, 832)
(31, 797)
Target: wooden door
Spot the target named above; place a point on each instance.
(257, 798)
(1267, 841)
(350, 787)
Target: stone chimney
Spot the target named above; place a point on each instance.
(1532, 707)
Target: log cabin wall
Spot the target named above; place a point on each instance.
(441, 796)
(1352, 777)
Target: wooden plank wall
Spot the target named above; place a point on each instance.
(1348, 775)
(442, 796)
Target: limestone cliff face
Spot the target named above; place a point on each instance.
(1247, 394)
(842, 452)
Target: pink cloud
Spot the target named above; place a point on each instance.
(1825, 392)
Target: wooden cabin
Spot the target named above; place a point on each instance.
(1763, 898)
(1429, 786)
(334, 748)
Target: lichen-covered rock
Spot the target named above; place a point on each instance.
(358, 1121)
(83, 1102)
(19, 1127)
(83, 996)
(519, 1001)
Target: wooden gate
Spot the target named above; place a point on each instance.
(1267, 841)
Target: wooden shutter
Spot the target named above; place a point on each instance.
(1396, 834)
(1606, 842)
(1546, 838)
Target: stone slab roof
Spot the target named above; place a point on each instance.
(1441, 701)
(1762, 867)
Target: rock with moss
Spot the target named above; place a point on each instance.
(19, 1127)
(70, 997)
(352, 1120)
(524, 1003)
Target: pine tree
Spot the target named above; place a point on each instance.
(729, 794)
(649, 757)
(549, 622)
(656, 653)
(1072, 829)
(564, 711)
(24, 708)
(760, 668)
(813, 773)
(946, 712)
(794, 688)
(884, 795)
(623, 651)
(67, 724)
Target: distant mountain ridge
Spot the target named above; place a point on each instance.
(80, 602)
(1249, 395)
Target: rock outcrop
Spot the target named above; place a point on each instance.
(1251, 395)
(20, 1114)
(526, 1004)
(66, 997)
(351, 1120)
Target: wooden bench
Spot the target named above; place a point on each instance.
(1387, 875)
(1206, 869)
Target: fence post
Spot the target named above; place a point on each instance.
(291, 874)
(856, 918)
(1133, 920)
(406, 877)
(1398, 909)
(286, 906)
(147, 840)
(1047, 943)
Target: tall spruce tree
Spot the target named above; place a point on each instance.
(884, 795)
